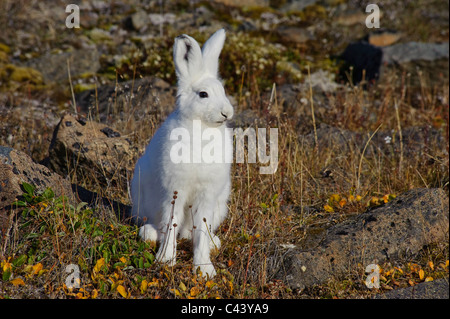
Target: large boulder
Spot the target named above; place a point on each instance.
(16, 168)
(430, 59)
(91, 151)
(404, 226)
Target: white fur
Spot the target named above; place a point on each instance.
(202, 189)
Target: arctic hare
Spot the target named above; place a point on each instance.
(202, 188)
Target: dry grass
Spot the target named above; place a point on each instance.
(265, 211)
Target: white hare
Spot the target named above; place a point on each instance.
(202, 188)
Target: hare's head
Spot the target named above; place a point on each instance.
(201, 95)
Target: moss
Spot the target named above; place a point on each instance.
(81, 87)
(312, 12)
(24, 74)
(3, 57)
(13, 77)
(4, 48)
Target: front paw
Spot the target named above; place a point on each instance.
(206, 270)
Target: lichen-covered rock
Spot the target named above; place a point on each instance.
(414, 219)
(92, 151)
(15, 169)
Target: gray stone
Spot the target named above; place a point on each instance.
(139, 20)
(429, 59)
(436, 289)
(296, 5)
(415, 51)
(54, 66)
(404, 226)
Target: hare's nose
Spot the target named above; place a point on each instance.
(224, 115)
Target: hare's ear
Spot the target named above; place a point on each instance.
(211, 51)
(187, 56)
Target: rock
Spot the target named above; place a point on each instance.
(54, 66)
(296, 5)
(351, 18)
(321, 82)
(365, 61)
(160, 18)
(405, 225)
(432, 59)
(436, 289)
(139, 20)
(149, 94)
(17, 167)
(383, 38)
(415, 51)
(295, 34)
(92, 151)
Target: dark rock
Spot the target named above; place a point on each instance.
(15, 169)
(367, 238)
(436, 289)
(364, 59)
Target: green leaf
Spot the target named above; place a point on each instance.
(6, 275)
(48, 194)
(149, 257)
(19, 261)
(28, 188)
(19, 203)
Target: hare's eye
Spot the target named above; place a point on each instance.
(203, 94)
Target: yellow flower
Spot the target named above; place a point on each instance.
(328, 208)
(335, 198)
